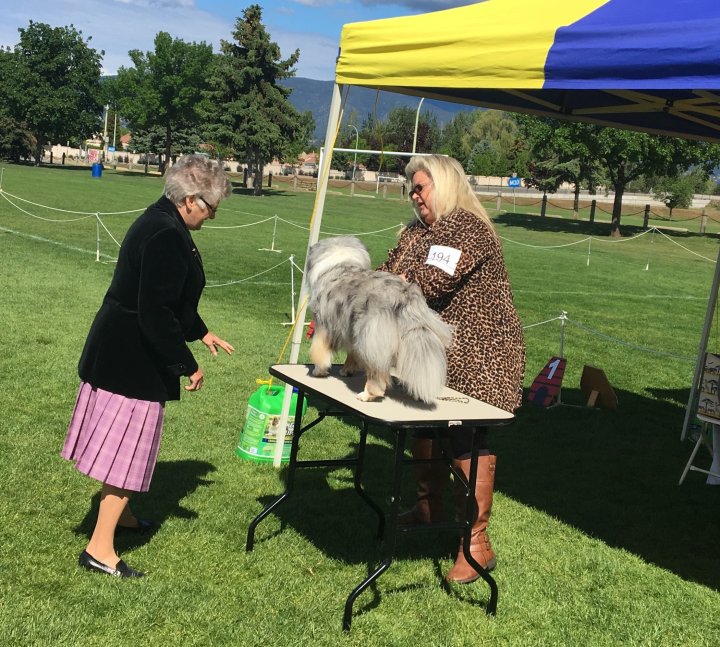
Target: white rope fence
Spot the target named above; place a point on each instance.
(249, 280)
(86, 214)
(609, 240)
(15, 201)
(563, 318)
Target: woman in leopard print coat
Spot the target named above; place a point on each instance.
(453, 253)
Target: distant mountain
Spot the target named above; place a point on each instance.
(313, 95)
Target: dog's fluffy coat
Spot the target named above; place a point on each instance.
(383, 322)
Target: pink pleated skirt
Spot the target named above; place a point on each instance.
(114, 439)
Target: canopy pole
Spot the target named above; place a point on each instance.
(700, 363)
(325, 161)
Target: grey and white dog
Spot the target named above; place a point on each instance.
(383, 322)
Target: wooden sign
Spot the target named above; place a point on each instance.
(596, 388)
(545, 389)
(708, 400)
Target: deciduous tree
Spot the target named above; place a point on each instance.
(563, 146)
(16, 142)
(303, 140)
(627, 155)
(677, 192)
(51, 84)
(165, 88)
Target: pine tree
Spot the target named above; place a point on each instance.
(250, 113)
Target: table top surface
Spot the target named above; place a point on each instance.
(396, 409)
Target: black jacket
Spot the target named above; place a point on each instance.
(137, 346)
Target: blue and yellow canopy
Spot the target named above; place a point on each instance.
(652, 65)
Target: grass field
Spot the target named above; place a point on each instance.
(597, 544)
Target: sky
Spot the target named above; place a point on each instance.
(118, 26)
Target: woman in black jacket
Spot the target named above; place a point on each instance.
(136, 352)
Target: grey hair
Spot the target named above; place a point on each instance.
(199, 176)
(451, 189)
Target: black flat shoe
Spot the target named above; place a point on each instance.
(121, 570)
(144, 525)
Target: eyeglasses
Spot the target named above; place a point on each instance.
(418, 189)
(209, 207)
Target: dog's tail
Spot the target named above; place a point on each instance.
(421, 363)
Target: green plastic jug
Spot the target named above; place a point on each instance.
(262, 422)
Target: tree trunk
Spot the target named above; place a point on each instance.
(576, 201)
(257, 182)
(168, 144)
(617, 210)
(38, 151)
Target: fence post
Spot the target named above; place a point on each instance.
(269, 179)
(543, 207)
(646, 217)
(384, 191)
(97, 237)
(294, 182)
(352, 188)
(703, 221)
(593, 204)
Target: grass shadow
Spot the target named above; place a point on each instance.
(611, 474)
(238, 188)
(614, 475)
(172, 482)
(552, 224)
(325, 508)
(72, 168)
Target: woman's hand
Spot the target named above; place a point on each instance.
(196, 381)
(212, 341)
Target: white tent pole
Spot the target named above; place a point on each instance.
(700, 363)
(325, 160)
(292, 288)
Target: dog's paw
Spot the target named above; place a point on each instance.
(319, 371)
(367, 397)
(346, 371)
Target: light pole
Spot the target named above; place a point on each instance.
(357, 136)
(114, 133)
(105, 135)
(417, 119)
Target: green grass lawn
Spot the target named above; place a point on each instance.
(596, 542)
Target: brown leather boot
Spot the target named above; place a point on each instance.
(480, 547)
(432, 480)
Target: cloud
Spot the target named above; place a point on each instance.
(317, 54)
(422, 5)
(118, 26)
(167, 4)
(320, 3)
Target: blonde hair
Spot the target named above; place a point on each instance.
(451, 189)
(196, 175)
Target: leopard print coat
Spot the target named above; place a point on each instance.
(487, 356)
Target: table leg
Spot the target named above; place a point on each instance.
(290, 480)
(390, 532)
(357, 481)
